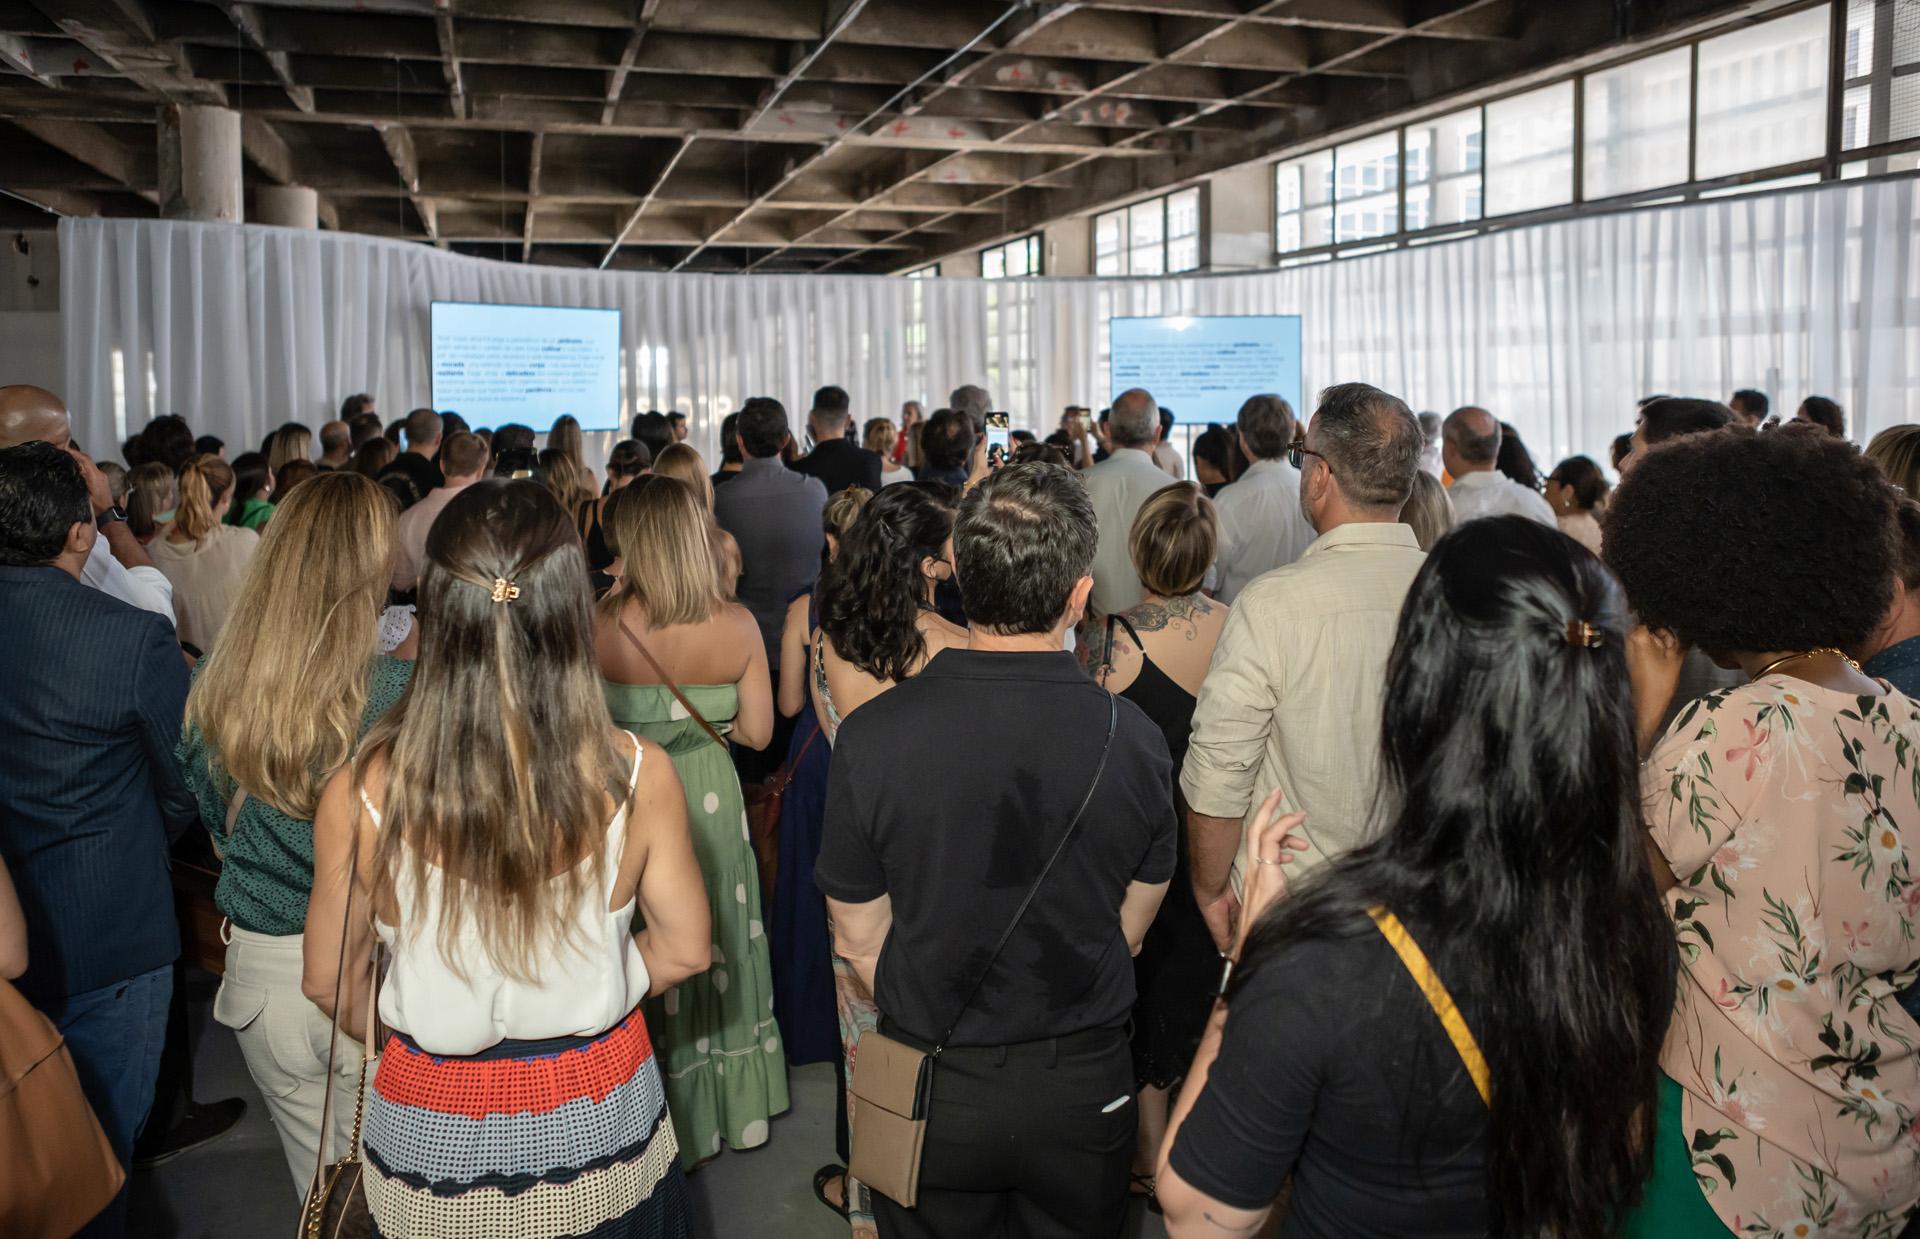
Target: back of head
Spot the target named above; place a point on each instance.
(210, 445)
(43, 495)
(1022, 541)
(1134, 419)
(682, 463)
(307, 614)
(462, 455)
(289, 443)
(501, 802)
(394, 427)
(565, 437)
(1673, 416)
(946, 440)
(873, 591)
(1740, 542)
(1219, 449)
(1173, 540)
(1472, 434)
(1266, 423)
(628, 459)
(153, 491)
(1430, 424)
(762, 427)
(424, 429)
(201, 486)
(832, 405)
(355, 406)
(653, 429)
(729, 441)
(843, 509)
(168, 440)
(1907, 516)
(250, 477)
(1371, 442)
(1514, 839)
(973, 402)
(879, 435)
(373, 456)
(559, 474)
(1896, 450)
(452, 423)
(363, 426)
(517, 464)
(1753, 404)
(1428, 511)
(1620, 449)
(1514, 460)
(336, 438)
(512, 437)
(290, 475)
(661, 533)
(1581, 475)
(1826, 414)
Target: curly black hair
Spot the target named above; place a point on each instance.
(1740, 542)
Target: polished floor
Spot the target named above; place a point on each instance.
(237, 1187)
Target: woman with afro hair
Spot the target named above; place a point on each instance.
(1779, 813)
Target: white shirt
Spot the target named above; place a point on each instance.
(889, 476)
(1118, 486)
(144, 587)
(1261, 525)
(1167, 456)
(1492, 493)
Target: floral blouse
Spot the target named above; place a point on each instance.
(1785, 810)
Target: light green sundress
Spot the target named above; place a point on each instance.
(719, 1048)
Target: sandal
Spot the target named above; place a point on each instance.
(1149, 1194)
(826, 1175)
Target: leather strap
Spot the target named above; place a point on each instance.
(1437, 997)
(1106, 751)
(671, 687)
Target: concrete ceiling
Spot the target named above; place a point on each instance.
(736, 135)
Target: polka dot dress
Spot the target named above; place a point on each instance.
(718, 1044)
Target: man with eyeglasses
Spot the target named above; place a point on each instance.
(1293, 697)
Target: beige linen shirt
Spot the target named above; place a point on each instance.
(1294, 693)
(410, 535)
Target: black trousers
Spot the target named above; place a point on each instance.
(1031, 1141)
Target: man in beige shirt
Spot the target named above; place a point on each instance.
(463, 461)
(1293, 697)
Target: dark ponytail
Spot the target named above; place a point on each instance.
(872, 593)
(1514, 842)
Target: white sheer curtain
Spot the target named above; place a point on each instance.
(1557, 328)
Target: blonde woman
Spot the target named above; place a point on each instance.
(1427, 511)
(289, 443)
(681, 462)
(204, 559)
(882, 436)
(256, 760)
(562, 475)
(528, 868)
(686, 669)
(1896, 450)
(565, 437)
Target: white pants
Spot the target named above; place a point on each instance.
(284, 1039)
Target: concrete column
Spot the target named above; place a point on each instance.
(289, 206)
(200, 163)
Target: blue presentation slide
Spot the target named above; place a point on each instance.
(526, 363)
(1204, 368)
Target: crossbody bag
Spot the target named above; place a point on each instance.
(1415, 961)
(894, 1081)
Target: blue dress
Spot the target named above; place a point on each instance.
(802, 954)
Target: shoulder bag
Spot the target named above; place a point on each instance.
(894, 1081)
(1415, 961)
(336, 1205)
(57, 1169)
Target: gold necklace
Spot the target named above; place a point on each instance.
(1787, 658)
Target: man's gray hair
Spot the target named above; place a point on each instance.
(1266, 423)
(1134, 418)
(1372, 442)
(973, 401)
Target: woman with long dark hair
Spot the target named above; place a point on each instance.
(529, 868)
(1512, 858)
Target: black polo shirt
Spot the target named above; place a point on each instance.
(948, 793)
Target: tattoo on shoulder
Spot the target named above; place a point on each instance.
(1154, 616)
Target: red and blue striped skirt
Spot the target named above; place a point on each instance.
(534, 1139)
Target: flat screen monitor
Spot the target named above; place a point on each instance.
(1204, 367)
(526, 363)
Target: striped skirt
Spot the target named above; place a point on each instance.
(534, 1139)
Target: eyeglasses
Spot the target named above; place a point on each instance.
(1297, 454)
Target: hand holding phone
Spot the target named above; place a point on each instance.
(999, 438)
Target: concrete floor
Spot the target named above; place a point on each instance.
(238, 1188)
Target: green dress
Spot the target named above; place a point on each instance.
(726, 1071)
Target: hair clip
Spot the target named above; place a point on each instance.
(1581, 633)
(504, 590)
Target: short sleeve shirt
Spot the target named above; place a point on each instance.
(948, 793)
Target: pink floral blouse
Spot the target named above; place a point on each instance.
(1785, 810)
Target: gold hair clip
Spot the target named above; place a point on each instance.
(1581, 633)
(504, 590)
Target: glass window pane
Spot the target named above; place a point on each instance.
(1529, 150)
(1637, 125)
(1017, 259)
(1419, 154)
(1287, 235)
(1368, 167)
(1763, 94)
(1148, 220)
(1859, 38)
(993, 263)
(1183, 213)
(1315, 173)
(1286, 185)
(1183, 254)
(1110, 264)
(1106, 232)
(1361, 218)
(1150, 260)
(1419, 207)
(1316, 227)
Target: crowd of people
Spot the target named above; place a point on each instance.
(1373, 835)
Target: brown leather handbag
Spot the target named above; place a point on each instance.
(336, 1205)
(59, 1170)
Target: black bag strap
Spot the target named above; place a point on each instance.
(1106, 750)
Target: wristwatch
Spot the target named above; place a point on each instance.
(113, 513)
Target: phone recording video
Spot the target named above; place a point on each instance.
(999, 439)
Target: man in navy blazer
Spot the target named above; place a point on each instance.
(89, 792)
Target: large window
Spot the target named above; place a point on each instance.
(1303, 198)
(924, 273)
(1763, 96)
(1156, 237)
(1366, 188)
(1882, 72)
(1443, 170)
(1636, 125)
(1530, 150)
(1017, 258)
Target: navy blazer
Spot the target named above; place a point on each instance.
(92, 694)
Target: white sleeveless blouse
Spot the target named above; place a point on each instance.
(581, 987)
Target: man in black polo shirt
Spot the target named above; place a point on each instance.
(947, 796)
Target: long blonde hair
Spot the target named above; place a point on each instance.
(291, 442)
(682, 463)
(307, 621)
(1896, 450)
(565, 437)
(563, 476)
(152, 491)
(666, 549)
(202, 481)
(500, 759)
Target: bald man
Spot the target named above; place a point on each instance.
(1469, 447)
(1118, 486)
(117, 565)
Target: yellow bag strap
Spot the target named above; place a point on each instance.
(1437, 997)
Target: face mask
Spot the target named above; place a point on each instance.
(162, 518)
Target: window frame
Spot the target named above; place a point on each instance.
(1036, 255)
(1124, 251)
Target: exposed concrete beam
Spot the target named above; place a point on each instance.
(406, 161)
(121, 34)
(95, 147)
(449, 59)
(640, 207)
(617, 76)
(533, 196)
(840, 15)
(246, 19)
(22, 59)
